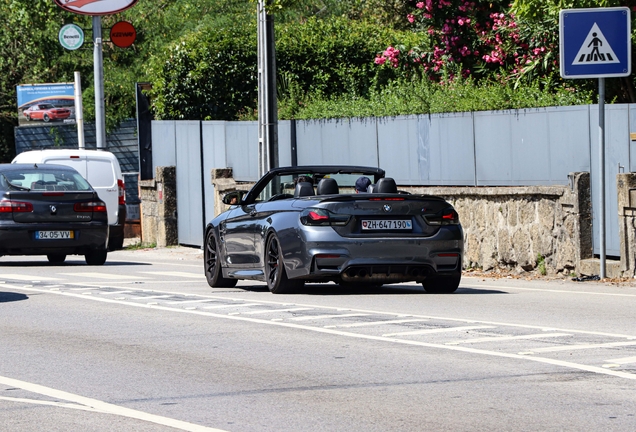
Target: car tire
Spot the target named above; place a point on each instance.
(96, 257)
(442, 284)
(28, 118)
(275, 274)
(56, 258)
(46, 118)
(213, 271)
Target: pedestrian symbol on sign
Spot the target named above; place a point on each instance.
(595, 49)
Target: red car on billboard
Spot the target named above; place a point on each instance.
(46, 112)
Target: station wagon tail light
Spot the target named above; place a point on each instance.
(448, 216)
(322, 217)
(122, 192)
(93, 206)
(9, 206)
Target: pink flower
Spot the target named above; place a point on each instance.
(379, 60)
(420, 5)
(411, 18)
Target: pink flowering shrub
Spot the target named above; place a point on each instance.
(474, 38)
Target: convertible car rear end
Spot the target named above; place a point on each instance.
(302, 224)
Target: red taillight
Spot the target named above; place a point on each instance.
(321, 217)
(448, 216)
(8, 206)
(122, 192)
(317, 217)
(93, 206)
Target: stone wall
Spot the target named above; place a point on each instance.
(159, 208)
(521, 227)
(626, 188)
(534, 228)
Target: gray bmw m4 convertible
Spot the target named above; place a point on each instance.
(315, 224)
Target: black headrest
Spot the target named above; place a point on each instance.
(385, 185)
(303, 189)
(327, 186)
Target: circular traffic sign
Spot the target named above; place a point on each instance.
(71, 37)
(95, 7)
(123, 34)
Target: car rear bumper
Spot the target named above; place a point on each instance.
(324, 255)
(19, 239)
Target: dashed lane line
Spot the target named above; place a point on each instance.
(437, 330)
(479, 286)
(377, 323)
(543, 360)
(506, 338)
(175, 273)
(102, 407)
(27, 278)
(104, 275)
(321, 317)
(623, 361)
(580, 347)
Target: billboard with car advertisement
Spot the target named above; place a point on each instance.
(51, 104)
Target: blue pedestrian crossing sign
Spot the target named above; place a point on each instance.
(595, 42)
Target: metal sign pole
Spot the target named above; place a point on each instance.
(98, 65)
(601, 162)
(79, 111)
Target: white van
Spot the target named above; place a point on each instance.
(102, 171)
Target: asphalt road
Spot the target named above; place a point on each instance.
(143, 344)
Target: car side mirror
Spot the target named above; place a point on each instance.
(233, 198)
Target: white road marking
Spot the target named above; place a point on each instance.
(104, 407)
(232, 305)
(374, 323)
(580, 347)
(478, 286)
(116, 292)
(50, 403)
(176, 274)
(504, 338)
(180, 302)
(622, 361)
(437, 330)
(320, 317)
(21, 277)
(280, 323)
(276, 311)
(151, 297)
(105, 275)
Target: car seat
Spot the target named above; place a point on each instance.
(327, 186)
(303, 189)
(385, 185)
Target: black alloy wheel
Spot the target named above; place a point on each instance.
(96, 257)
(275, 273)
(46, 117)
(445, 284)
(56, 258)
(213, 272)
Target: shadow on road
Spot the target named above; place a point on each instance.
(6, 297)
(79, 262)
(333, 289)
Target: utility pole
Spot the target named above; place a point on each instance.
(98, 67)
(267, 104)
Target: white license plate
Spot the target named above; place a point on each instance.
(54, 235)
(387, 225)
